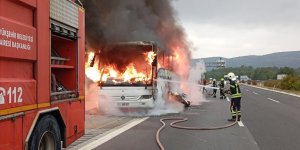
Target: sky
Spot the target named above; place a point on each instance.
(232, 28)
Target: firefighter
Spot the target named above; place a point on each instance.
(204, 84)
(222, 85)
(235, 94)
(214, 84)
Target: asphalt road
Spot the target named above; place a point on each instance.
(272, 118)
(209, 114)
(270, 121)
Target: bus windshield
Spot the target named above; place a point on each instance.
(127, 65)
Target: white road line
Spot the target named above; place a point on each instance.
(273, 100)
(273, 90)
(240, 123)
(228, 99)
(255, 93)
(113, 134)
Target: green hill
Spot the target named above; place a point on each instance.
(281, 59)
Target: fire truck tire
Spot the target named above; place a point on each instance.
(46, 135)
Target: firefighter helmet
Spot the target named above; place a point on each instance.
(231, 76)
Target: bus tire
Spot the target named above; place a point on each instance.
(46, 135)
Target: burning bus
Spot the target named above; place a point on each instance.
(126, 73)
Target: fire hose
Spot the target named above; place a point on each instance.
(178, 120)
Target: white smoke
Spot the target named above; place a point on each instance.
(94, 104)
(163, 105)
(196, 74)
(91, 96)
(104, 104)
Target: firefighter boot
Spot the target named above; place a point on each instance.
(232, 119)
(239, 117)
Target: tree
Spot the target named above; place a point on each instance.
(286, 70)
(265, 73)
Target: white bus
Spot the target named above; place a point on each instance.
(128, 73)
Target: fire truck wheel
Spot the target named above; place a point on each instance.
(46, 135)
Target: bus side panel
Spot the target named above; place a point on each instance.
(11, 134)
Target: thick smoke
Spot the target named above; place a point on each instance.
(110, 21)
(113, 21)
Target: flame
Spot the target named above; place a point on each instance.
(176, 56)
(92, 73)
(150, 56)
(132, 75)
(90, 57)
(109, 73)
(180, 60)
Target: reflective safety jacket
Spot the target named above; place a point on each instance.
(222, 84)
(235, 90)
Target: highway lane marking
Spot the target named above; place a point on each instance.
(98, 141)
(273, 100)
(273, 90)
(240, 123)
(255, 93)
(227, 99)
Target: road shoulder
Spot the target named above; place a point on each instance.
(277, 91)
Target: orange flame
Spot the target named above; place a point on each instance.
(150, 56)
(181, 60)
(109, 73)
(92, 73)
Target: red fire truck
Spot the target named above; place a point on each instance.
(41, 73)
